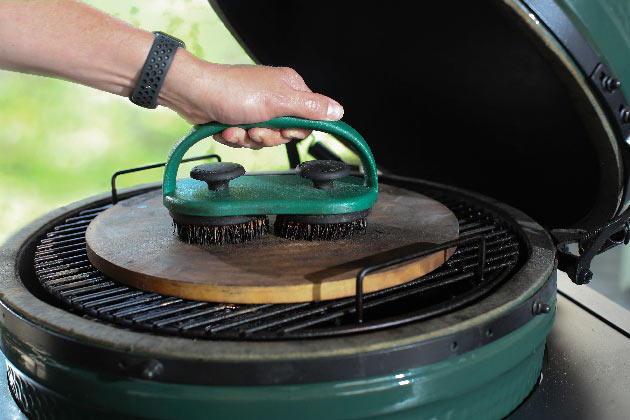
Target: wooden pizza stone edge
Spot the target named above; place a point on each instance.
(376, 281)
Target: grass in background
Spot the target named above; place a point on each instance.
(61, 142)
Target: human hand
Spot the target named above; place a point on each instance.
(201, 92)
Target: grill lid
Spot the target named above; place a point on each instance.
(491, 101)
(504, 98)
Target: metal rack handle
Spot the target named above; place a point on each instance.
(152, 166)
(399, 260)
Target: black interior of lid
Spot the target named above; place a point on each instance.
(455, 93)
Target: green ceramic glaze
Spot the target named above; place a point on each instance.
(606, 26)
(264, 194)
(486, 383)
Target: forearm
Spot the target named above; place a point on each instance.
(72, 41)
(75, 42)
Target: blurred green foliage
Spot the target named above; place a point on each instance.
(61, 141)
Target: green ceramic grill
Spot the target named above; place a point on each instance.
(479, 87)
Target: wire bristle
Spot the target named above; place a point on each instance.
(318, 232)
(220, 235)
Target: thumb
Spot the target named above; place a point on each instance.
(314, 106)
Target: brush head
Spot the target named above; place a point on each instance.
(199, 230)
(321, 227)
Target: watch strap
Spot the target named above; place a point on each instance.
(154, 70)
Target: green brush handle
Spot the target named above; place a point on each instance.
(336, 128)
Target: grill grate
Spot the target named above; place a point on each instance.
(63, 269)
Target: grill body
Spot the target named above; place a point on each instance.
(476, 361)
(487, 383)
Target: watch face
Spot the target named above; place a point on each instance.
(179, 41)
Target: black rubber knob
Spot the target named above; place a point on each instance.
(217, 174)
(323, 172)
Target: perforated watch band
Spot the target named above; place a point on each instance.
(154, 70)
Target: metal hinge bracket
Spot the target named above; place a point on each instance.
(589, 244)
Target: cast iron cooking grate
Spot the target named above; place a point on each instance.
(488, 252)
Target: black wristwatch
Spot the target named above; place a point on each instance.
(154, 70)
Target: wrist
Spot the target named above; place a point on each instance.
(182, 85)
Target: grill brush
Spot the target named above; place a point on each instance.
(317, 201)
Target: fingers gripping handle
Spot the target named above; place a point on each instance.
(336, 128)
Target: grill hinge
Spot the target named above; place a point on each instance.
(589, 244)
